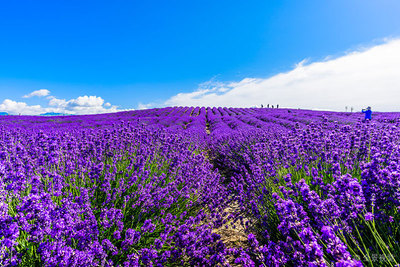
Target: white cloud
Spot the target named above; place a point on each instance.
(367, 77)
(80, 105)
(86, 101)
(14, 107)
(146, 106)
(55, 102)
(39, 93)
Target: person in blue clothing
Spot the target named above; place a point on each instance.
(368, 113)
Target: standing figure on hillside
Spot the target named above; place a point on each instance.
(277, 106)
(272, 106)
(368, 113)
(267, 105)
(262, 105)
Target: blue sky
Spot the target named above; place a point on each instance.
(150, 52)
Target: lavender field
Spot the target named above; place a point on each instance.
(197, 186)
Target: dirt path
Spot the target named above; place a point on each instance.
(208, 129)
(233, 232)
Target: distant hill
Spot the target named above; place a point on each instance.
(3, 113)
(53, 114)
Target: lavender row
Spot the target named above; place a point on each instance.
(117, 195)
(318, 195)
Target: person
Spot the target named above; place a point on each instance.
(368, 113)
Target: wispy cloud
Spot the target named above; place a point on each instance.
(39, 93)
(366, 77)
